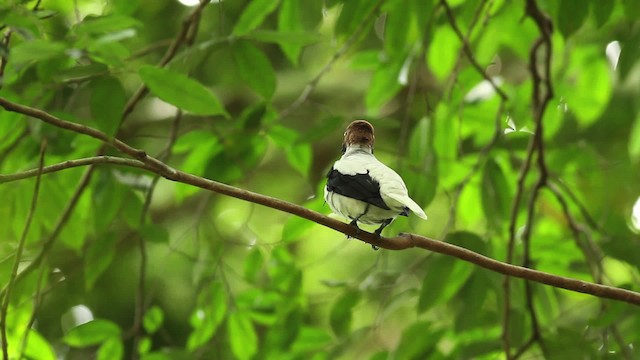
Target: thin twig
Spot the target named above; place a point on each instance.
(36, 305)
(311, 86)
(4, 59)
(66, 214)
(456, 68)
(86, 130)
(403, 241)
(542, 93)
(14, 270)
(86, 177)
(182, 37)
(69, 164)
(469, 52)
(141, 298)
(482, 157)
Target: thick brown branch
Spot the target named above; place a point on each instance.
(403, 241)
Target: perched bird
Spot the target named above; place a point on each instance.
(363, 189)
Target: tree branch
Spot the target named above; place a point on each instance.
(401, 242)
(311, 86)
(141, 296)
(16, 263)
(184, 36)
(541, 94)
(469, 52)
(69, 164)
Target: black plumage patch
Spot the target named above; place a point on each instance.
(359, 186)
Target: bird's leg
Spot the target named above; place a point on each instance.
(354, 222)
(379, 231)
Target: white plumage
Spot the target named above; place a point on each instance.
(363, 189)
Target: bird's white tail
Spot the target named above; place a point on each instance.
(412, 205)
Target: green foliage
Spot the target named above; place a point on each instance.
(254, 68)
(92, 333)
(256, 94)
(180, 91)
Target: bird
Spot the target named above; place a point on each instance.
(363, 189)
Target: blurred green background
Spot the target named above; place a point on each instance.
(257, 94)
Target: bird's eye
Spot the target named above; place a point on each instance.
(345, 134)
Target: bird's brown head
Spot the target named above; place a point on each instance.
(359, 134)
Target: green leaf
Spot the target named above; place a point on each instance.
(423, 160)
(131, 208)
(422, 10)
(125, 7)
(282, 136)
(153, 319)
(467, 240)
(242, 335)
(412, 348)
(397, 26)
(37, 347)
(589, 85)
(107, 103)
(253, 264)
(95, 25)
(384, 85)
(629, 54)
(254, 68)
(443, 51)
(571, 15)
(341, 312)
(160, 356)
(634, 141)
(438, 273)
(353, 13)
(602, 11)
(112, 53)
(81, 71)
(299, 157)
(289, 20)
(35, 50)
(91, 333)
(496, 195)
(111, 349)
(472, 297)
(98, 257)
(294, 228)
(298, 38)
(155, 233)
(206, 319)
(310, 339)
(253, 15)
(181, 91)
(190, 141)
(108, 198)
(144, 345)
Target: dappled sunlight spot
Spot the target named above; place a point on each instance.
(511, 127)
(77, 315)
(613, 53)
(195, 2)
(158, 109)
(635, 216)
(484, 90)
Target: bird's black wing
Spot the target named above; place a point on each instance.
(359, 186)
